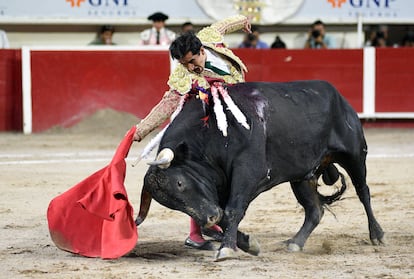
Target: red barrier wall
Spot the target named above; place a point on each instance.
(395, 79)
(69, 85)
(10, 90)
(342, 68)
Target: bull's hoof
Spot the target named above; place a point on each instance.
(254, 246)
(225, 254)
(376, 234)
(293, 247)
(378, 241)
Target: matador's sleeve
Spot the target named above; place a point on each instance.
(215, 32)
(161, 112)
(230, 24)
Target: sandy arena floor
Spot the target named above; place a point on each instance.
(36, 168)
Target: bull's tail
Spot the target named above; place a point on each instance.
(327, 200)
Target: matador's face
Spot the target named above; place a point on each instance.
(194, 62)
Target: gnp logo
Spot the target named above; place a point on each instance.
(74, 3)
(362, 3)
(98, 3)
(334, 3)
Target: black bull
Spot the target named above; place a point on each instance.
(297, 131)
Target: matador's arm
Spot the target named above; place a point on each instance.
(232, 24)
(215, 32)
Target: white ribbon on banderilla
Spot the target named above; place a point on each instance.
(216, 89)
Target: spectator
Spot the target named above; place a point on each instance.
(186, 27)
(317, 37)
(104, 37)
(4, 41)
(408, 40)
(379, 40)
(252, 40)
(278, 43)
(379, 37)
(371, 38)
(157, 34)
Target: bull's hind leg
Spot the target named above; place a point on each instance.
(307, 196)
(357, 171)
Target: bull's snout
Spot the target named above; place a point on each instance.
(213, 219)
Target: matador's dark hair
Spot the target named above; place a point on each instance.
(185, 43)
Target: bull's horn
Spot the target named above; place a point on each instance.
(163, 159)
(144, 206)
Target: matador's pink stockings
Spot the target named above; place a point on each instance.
(195, 231)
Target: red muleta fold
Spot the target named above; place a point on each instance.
(94, 218)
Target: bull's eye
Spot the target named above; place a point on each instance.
(180, 185)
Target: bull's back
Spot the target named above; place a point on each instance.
(303, 105)
(302, 120)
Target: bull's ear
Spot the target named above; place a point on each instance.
(181, 152)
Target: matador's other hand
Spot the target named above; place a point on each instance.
(137, 137)
(247, 25)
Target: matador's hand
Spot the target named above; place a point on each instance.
(137, 137)
(247, 25)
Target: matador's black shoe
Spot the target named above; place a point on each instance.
(217, 236)
(206, 245)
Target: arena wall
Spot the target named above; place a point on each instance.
(10, 90)
(62, 86)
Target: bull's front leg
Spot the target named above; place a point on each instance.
(230, 222)
(233, 238)
(242, 190)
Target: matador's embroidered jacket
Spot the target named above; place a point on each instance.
(181, 80)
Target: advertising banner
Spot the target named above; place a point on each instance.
(372, 11)
(89, 11)
(206, 11)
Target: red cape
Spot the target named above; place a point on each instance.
(94, 218)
